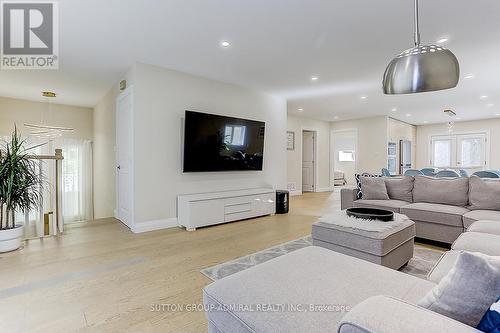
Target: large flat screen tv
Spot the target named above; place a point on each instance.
(219, 143)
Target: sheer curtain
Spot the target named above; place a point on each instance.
(77, 179)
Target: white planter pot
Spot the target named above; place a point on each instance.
(11, 239)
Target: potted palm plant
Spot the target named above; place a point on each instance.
(19, 190)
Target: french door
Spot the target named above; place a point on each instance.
(460, 151)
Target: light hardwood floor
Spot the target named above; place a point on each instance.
(100, 277)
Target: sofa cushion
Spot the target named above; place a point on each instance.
(478, 242)
(447, 191)
(477, 215)
(308, 276)
(387, 314)
(486, 227)
(400, 188)
(436, 213)
(373, 188)
(392, 205)
(443, 266)
(484, 193)
(463, 294)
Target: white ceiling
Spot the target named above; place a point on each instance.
(276, 47)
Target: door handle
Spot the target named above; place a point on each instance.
(118, 167)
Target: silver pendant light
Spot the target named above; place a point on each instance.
(421, 68)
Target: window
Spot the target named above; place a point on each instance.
(76, 179)
(346, 156)
(471, 154)
(71, 172)
(235, 135)
(464, 151)
(442, 153)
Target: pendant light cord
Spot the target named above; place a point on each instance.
(417, 29)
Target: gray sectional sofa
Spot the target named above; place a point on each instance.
(319, 290)
(442, 208)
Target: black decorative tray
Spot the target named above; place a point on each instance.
(371, 214)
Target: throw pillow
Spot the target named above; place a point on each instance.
(484, 193)
(468, 289)
(400, 188)
(491, 319)
(446, 191)
(373, 188)
(357, 176)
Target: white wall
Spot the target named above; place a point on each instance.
(160, 98)
(104, 157)
(294, 158)
(372, 142)
(20, 112)
(425, 132)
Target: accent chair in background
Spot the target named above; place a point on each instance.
(413, 172)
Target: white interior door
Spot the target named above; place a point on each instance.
(124, 155)
(308, 156)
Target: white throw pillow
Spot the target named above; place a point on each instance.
(468, 290)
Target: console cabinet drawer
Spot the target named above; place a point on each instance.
(206, 212)
(238, 208)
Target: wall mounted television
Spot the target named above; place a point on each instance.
(219, 143)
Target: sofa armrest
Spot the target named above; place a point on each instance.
(382, 314)
(347, 197)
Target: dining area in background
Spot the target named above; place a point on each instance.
(442, 173)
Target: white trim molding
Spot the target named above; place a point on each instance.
(141, 227)
(324, 189)
(295, 192)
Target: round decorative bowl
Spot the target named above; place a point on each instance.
(371, 214)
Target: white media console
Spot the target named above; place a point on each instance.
(204, 209)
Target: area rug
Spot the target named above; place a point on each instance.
(420, 265)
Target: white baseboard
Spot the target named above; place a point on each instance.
(154, 225)
(324, 189)
(295, 192)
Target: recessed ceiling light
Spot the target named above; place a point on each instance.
(489, 105)
(364, 97)
(394, 109)
(314, 78)
(459, 118)
(48, 94)
(336, 117)
(497, 114)
(300, 109)
(425, 122)
(408, 114)
(469, 76)
(225, 43)
(483, 96)
(442, 40)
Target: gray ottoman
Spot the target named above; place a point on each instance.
(391, 247)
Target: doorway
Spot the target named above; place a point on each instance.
(308, 161)
(343, 156)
